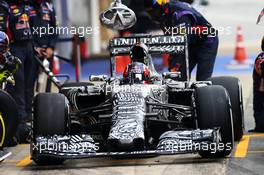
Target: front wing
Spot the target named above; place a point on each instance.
(83, 146)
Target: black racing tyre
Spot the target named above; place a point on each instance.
(2, 132)
(234, 89)
(51, 117)
(214, 111)
(9, 114)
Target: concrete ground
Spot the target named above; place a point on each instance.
(247, 158)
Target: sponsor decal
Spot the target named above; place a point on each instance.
(46, 17)
(158, 40)
(15, 11)
(13, 7)
(24, 17)
(33, 12)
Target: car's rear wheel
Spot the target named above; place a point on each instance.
(9, 115)
(51, 117)
(214, 111)
(234, 89)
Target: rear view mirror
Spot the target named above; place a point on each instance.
(171, 75)
(93, 78)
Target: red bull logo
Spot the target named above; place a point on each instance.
(24, 18)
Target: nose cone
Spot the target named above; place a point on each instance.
(127, 135)
(127, 131)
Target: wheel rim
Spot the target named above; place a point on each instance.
(2, 125)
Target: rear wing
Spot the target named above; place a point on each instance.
(156, 45)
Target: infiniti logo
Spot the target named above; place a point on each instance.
(118, 17)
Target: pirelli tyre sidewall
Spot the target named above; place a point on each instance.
(8, 118)
(234, 89)
(51, 117)
(214, 111)
(2, 132)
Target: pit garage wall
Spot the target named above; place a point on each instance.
(83, 13)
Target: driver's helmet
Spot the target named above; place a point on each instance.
(157, 9)
(139, 53)
(4, 42)
(149, 4)
(137, 73)
(4, 46)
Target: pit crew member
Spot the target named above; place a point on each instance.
(258, 91)
(177, 17)
(16, 25)
(43, 17)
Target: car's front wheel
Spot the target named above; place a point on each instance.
(214, 111)
(51, 117)
(8, 118)
(234, 89)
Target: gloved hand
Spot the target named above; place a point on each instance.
(40, 52)
(12, 63)
(10, 66)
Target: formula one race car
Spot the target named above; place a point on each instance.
(141, 114)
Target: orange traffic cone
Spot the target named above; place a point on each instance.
(240, 53)
(240, 60)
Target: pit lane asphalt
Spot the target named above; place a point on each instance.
(247, 158)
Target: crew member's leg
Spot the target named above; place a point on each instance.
(206, 58)
(18, 91)
(30, 78)
(258, 104)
